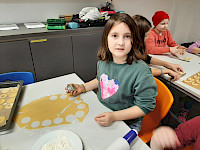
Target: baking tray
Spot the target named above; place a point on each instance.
(4, 86)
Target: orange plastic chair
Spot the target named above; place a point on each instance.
(190, 147)
(164, 101)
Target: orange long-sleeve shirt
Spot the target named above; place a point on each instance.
(157, 44)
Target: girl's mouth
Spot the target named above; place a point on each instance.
(120, 49)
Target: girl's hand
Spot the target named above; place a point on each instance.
(78, 89)
(175, 76)
(175, 67)
(177, 50)
(182, 47)
(164, 137)
(181, 50)
(105, 119)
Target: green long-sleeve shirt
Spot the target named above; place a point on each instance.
(122, 86)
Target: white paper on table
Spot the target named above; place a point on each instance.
(8, 27)
(34, 25)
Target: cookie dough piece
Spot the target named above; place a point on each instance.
(2, 119)
(13, 95)
(8, 106)
(14, 90)
(3, 95)
(1, 107)
(11, 100)
(198, 81)
(2, 101)
(196, 77)
(6, 90)
(187, 58)
(194, 83)
(189, 80)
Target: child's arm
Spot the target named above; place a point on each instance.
(164, 137)
(106, 118)
(194, 48)
(174, 67)
(174, 75)
(91, 85)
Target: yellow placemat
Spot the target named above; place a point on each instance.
(52, 110)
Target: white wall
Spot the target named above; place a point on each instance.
(184, 14)
(20, 11)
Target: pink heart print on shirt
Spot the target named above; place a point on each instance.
(108, 87)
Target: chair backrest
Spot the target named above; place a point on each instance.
(189, 147)
(27, 77)
(164, 101)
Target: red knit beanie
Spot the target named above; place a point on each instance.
(158, 17)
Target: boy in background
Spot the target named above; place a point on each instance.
(159, 37)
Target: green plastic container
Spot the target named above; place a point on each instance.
(56, 22)
(63, 27)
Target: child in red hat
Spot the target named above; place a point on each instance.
(159, 37)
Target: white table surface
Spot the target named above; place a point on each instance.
(190, 68)
(93, 136)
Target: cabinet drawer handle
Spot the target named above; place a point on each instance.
(38, 41)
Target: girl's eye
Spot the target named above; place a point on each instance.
(127, 36)
(114, 35)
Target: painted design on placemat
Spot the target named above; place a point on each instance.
(108, 87)
(52, 110)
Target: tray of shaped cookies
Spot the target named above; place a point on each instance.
(9, 95)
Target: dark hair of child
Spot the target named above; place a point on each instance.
(137, 44)
(143, 25)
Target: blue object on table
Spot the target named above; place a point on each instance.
(130, 136)
(72, 25)
(119, 11)
(27, 77)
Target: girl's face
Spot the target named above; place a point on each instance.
(119, 42)
(162, 26)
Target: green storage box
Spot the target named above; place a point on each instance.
(56, 22)
(56, 27)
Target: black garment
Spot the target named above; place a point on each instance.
(148, 60)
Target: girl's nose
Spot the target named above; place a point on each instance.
(121, 41)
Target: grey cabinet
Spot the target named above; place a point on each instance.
(85, 49)
(52, 57)
(15, 56)
(51, 53)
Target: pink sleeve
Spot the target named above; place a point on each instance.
(171, 42)
(189, 132)
(194, 45)
(151, 47)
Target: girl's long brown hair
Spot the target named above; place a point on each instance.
(143, 25)
(137, 44)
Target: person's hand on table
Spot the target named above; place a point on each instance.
(176, 50)
(175, 67)
(182, 47)
(164, 137)
(175, 76)
(105, 119)
(78, 89)
(181, 50)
